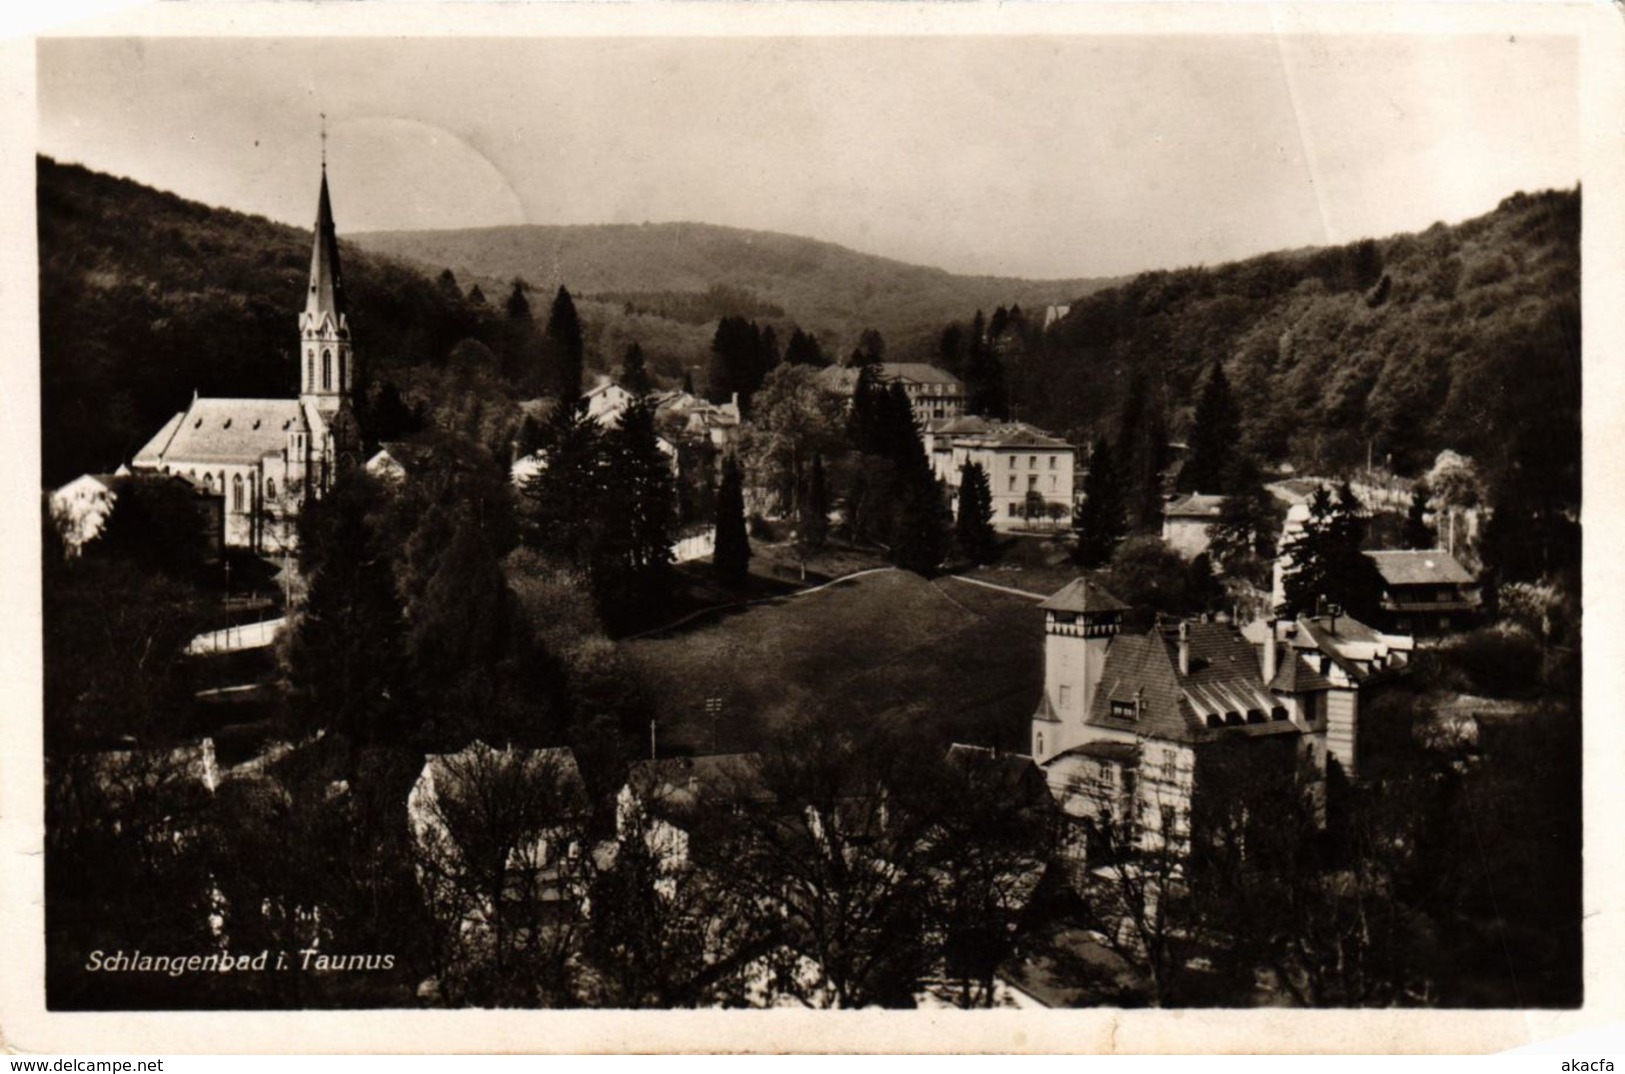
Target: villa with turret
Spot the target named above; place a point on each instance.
(266, 457)
(1127, 721)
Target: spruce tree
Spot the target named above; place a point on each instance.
(1417, 533)
(974, 526)
(1327, 565)
(1141, 455)
(1100, 521)
(872, 345)
(803, 349)
(634, 373)
(1210, 465)
(345, 658)
(631, 565)
(447, 283)
(731, 557)
(560, 506)
(564, 347)
(866, 418)
(815, 507)
(921, 540)
(767, 353)
(518, 306)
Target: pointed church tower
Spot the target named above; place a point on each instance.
(1079, 624)
(327, 366)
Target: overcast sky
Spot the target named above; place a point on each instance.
(1031, 156)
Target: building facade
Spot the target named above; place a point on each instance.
(1427, 593)
(1030, 473)
(1187, 523)
(266, 457)
(933, 394)
(1128, 723)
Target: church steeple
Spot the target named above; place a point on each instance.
(327, 371)
(326, 295)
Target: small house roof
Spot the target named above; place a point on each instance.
(1123, 753)
(1424, 567)
(919, 372)
(1195, 505)
(1083, 595)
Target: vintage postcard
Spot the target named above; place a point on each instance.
(812, 527)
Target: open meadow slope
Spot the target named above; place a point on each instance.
(965, 660)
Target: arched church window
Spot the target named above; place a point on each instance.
(327, 371)
(270, 488)
(237, 492)
(1040, 743)
(310, 367)
(208, 482)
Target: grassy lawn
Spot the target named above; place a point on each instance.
(965, 660)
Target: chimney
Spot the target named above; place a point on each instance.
(1333, 611)
(1184, 647)
(1269, 652)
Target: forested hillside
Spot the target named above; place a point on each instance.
(1461, 337)
(652, 280)
(146, 297)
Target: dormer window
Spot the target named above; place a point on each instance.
(1124, 710)
(1278, 713)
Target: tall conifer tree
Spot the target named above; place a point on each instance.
(731, 558)
(1100, 521)
(974, 525)
(565, 349)
(1211, 464)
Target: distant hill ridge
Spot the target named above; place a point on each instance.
(820, 286)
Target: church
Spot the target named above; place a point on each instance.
(267, 457)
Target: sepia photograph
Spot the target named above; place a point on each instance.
(950, 518)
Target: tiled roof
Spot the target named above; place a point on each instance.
(152, 452)
(1020, 434)
(844, 378)
(1083, 595)
(1296, 675)
(1223, 678)
(1124, 753)
(241, 431)
(1195, 505)
(1431, 567)
(963, 424)
(919, 372)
